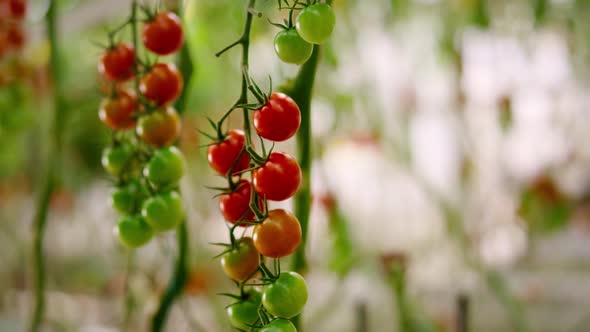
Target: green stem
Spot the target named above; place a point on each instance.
(51, 175)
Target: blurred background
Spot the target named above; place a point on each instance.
(451, 172)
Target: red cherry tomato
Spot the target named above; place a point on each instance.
(279, 119)
(163, 35)
(278, 235)
(15, 36)
(117, 111)
(222, 155)
(18, 8)
(279, 178)
(162, 84)
(236, 205)
(116, 63)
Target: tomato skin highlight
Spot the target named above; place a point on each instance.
(116, 159)
(279, 178)
(164, 211)
(116, 64)
(279, 119)
(134, 232)
(278, 235)
(286, 296)
(245, 313)
(315, 23)
(117, 112)
(242, 262)
(291, 48)
(160, 128)
(163, 35)
(166, 167)
(162, 84)
(222, 155)
(236, 204)
(279, 325)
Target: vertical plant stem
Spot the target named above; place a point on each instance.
(462, 313)
(51, 177)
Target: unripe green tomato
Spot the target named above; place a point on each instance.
(245, 313)
(291, 48)
(286, 296)
(133, 231)
(279, 325)
(164, 211)
(165, 168)
(116, 159)
(315, 23)
(129, 198)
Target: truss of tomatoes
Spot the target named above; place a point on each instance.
(138, 109)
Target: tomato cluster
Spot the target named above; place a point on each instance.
(12, 34)
(139, 110)
(314, 24)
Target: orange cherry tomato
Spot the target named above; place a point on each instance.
(278, 235)
(159, 128)
(117, 111)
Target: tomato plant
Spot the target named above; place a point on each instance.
(278, 235)
(241, 262)
(133, 231)
(163, 34)
(315, 23)
(223, 155)
(164, 211)
(160, 127)
(279, 325)
(286, 296)
(162, 84)
(291, 48)
(165, 168)
(278, 178)
(117, 112)
(279, 119)
(117, 62)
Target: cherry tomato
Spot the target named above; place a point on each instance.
(291, 48)
(134, 231)
(116, 63)
(235, 205)
(117, 111)
(159, 128)
(286, 296)
(244, 313)
(222, 155)
(279, 178)
(116, 159)
(162, 84)
(129, 198)
(279, 119)
(279, 325)
(18, 8)
(163, 35)
(165, 168)
(241, 262)
(315, 23)
(164, 211)
(15, 36)
(278, 235)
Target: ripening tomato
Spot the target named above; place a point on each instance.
(315, 23)
(129, 198)
(244, 313)
(18, 8)
(15, 36)
(117, 62)
(164, 211)
(117, 111)
(222, 155)
(134, 231)
(163, 35)
(279, 119)
(162, 84)
(159, 128)
(117, 159)
(165, 168)
(279, 178)
(291, 48)
(236, 205)
(241, 262)
(286, 296)
(279, 325)
(278, 235)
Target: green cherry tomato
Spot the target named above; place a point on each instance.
(165, 168)
(128, 199)
(164, 211)
(286, 296)
(291, 48)
(241, 262)
(279, 325)
(134, 232)
(115, 159)
(315, 23)
(244, 313)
